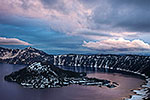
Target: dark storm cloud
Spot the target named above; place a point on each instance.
(136, 15)
(130, 15)
(106, 15)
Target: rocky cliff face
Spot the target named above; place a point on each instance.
(132, 63)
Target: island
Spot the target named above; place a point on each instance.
(43, 75)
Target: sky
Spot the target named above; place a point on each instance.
(76, 26)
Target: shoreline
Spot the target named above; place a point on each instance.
(144, 92)
(141, 94)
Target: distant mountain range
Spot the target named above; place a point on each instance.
(131, 63)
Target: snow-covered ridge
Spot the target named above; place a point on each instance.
(23, 56)
(131, 63)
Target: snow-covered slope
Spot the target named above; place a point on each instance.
(25, 56)
(131, 63)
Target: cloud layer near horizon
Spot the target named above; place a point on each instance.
(12, 41)
(117, 45)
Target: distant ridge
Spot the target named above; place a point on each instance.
(132, 63)
(23, 56)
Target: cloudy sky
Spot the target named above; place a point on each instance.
(76, 26)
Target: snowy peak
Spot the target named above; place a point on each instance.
(30, 48)
(23, 56)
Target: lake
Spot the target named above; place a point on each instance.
(13, 91)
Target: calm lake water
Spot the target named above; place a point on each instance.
(13, 91)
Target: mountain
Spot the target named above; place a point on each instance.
(132, 63)
(25, 56)
(43, 75)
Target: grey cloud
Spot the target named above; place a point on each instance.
(112, 15)
(130, 15)
(58, 5)
(49, 2)
(100, 16)
(12, 41)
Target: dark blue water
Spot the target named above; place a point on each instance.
(13, 91)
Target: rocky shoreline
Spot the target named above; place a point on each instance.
(140, 94)
(38, 75)
(144, 92)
